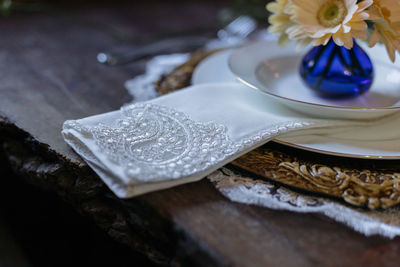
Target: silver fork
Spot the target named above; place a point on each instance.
(238, 29)
(233, 33)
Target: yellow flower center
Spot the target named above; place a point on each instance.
(332, 13)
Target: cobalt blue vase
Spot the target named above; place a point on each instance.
(336, 72)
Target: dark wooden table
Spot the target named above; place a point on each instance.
(48, 74)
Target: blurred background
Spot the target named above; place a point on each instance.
(233, 8)
(36, 227)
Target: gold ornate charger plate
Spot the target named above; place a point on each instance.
(365, 183)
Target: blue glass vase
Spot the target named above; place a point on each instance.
(336, 72)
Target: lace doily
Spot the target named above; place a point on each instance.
(261, 193)
(142, 87)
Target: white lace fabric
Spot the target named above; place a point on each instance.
(181, 137)
(142, 87)
(262, 193)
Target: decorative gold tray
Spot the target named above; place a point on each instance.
(367, 183)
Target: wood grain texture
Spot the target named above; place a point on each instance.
(49, 74)
(364, 183)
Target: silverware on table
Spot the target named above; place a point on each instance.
(167, 46)
(235, 31)
(239, 28)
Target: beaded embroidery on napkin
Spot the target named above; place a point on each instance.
(154, 143)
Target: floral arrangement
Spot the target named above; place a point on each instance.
(317, 21)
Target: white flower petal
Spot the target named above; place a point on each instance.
(346, 29)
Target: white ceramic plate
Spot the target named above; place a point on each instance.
(379, 142)
(274, 70)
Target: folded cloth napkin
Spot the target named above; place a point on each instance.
(181, 137)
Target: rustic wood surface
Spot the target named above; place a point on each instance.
(365, 183)
(48, 74)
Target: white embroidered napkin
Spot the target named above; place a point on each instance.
(181, 137)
